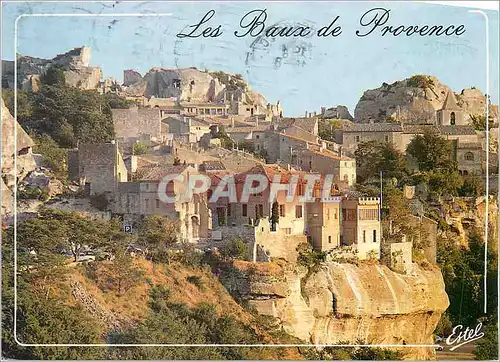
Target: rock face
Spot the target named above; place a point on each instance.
(189, 85)
(75, 64)
(349, 303)
(339, 112)
(25, 161)
(415, 100)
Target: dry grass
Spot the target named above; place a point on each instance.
(273, 268)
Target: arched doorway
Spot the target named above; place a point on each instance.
(195, 227)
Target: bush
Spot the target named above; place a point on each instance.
(308, 257)
(236, 249)
(196, 280)
(33, 193)
(99, 201)
(139, 148)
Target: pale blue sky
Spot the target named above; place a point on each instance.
(327, 72)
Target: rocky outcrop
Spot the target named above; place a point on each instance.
(339, 112)
(75, 64)
(25, 161)
(415, 100)
(349, 303)
(190, 85)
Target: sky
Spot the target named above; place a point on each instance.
(303, 73)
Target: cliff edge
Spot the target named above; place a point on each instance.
(346, 303)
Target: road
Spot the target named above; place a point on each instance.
(461, 353)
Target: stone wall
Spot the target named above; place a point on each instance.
(135, 121)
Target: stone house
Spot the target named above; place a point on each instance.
(291, 213)
(324, 161)
(361, 225)
(133, 122)
(323, 222)
(97, 166)
(134, 200)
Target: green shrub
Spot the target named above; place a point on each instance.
(236, 249)
(139, 148)
(196, 280)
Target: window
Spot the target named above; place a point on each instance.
(259, 211)
(371, 214)
(452, 118)
(356, 138)
(228, 209)
(364, 236)
(244, 210)
(346, 178)
(147, 203)
(282, 210)
(257, 136)
(469, 156)
(374, 236)
(328, 214)
(301, 189)
(298, 211)
(157, 203)
(329, 239)
(335, 214)
(386, 138)
(288, 231)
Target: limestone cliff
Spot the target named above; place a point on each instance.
(415, 100)
(347, 303)
(25, 161)
(75, 64)
(190, 85)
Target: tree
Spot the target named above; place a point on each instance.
(54, 76)
(432, 152)
(236, 248)
(139, 148)
(156, 233)
(487, 347)
(118, 275)
(472, 186)
(275, 215)
(375, 156)
(65, 113)
(54, 157)
(463, 273)
(478, 121)
(327, 127)
(445, 183)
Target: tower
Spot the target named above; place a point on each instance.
(450, 113)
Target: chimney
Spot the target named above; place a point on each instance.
(314, 113)
(232, 122)
(305, 115)
(323, 111)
